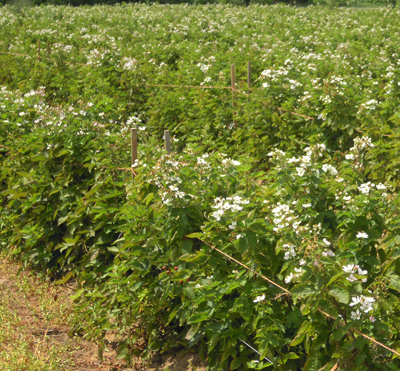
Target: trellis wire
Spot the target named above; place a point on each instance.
(288, 292)
(232, 87)
(213, 247)
(249, 346)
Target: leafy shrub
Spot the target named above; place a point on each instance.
(305, 199)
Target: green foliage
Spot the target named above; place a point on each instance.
(310, 203)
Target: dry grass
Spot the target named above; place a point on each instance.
(36, 318)
(35, 321)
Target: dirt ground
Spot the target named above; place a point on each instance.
(34, 330)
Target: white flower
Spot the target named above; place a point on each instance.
(289, 278)
(350, 156)
(228, 161)
(328, 253)
(330, 169)
(360, 143)
(348, 268)
(356, 315)
(259, 298)
(293, 160)
(355, 300)
(380, 186)
(365, 303)
(361, 272)
(326, 242)
(362, 235)
(366, 187)
(300, 171)
(232, 225)
(218, 214)
(290, 254)
(306, 206)
(239, 236)
(351, 278)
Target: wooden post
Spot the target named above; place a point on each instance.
(248, 77)
(39, 58)
(167, 141)
(166, 76)
(133, 150)
(233, 86)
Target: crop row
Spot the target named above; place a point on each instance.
(309, 202)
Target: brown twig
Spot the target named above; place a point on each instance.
(288, 292)
(245, 266)
(189, 86)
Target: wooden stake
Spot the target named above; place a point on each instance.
(248, 77)
(166, 76)
(233, 86)
(39, 58)
(167, 141)
(133, 150)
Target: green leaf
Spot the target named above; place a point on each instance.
(302, 291)
(149, 198)
(213, 342)
(335, 278)
(235, 364)
(192, 332)
(64, 279)
(342, 295)
(199, 317)
(77, 294)
(394, 281)
(113, 249)
(200, 257)
(188, 291)
(305, 327)
(338, 334)
(195, 235)
(150, 242)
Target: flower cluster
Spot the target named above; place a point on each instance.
(290, 252)
(364, 303)
(297, 273)
(361, 143)
(229, 161)
(370, 105)
(304, 162)
(129, 64)
(327, 253)
(276, 154)
(355, 269)
(284, 217)
(365, 188)
(229, 203)
(201, 161)
(135, 122)
(329, 169)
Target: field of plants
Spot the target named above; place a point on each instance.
(269, 238)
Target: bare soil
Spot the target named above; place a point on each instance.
(39, 317)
